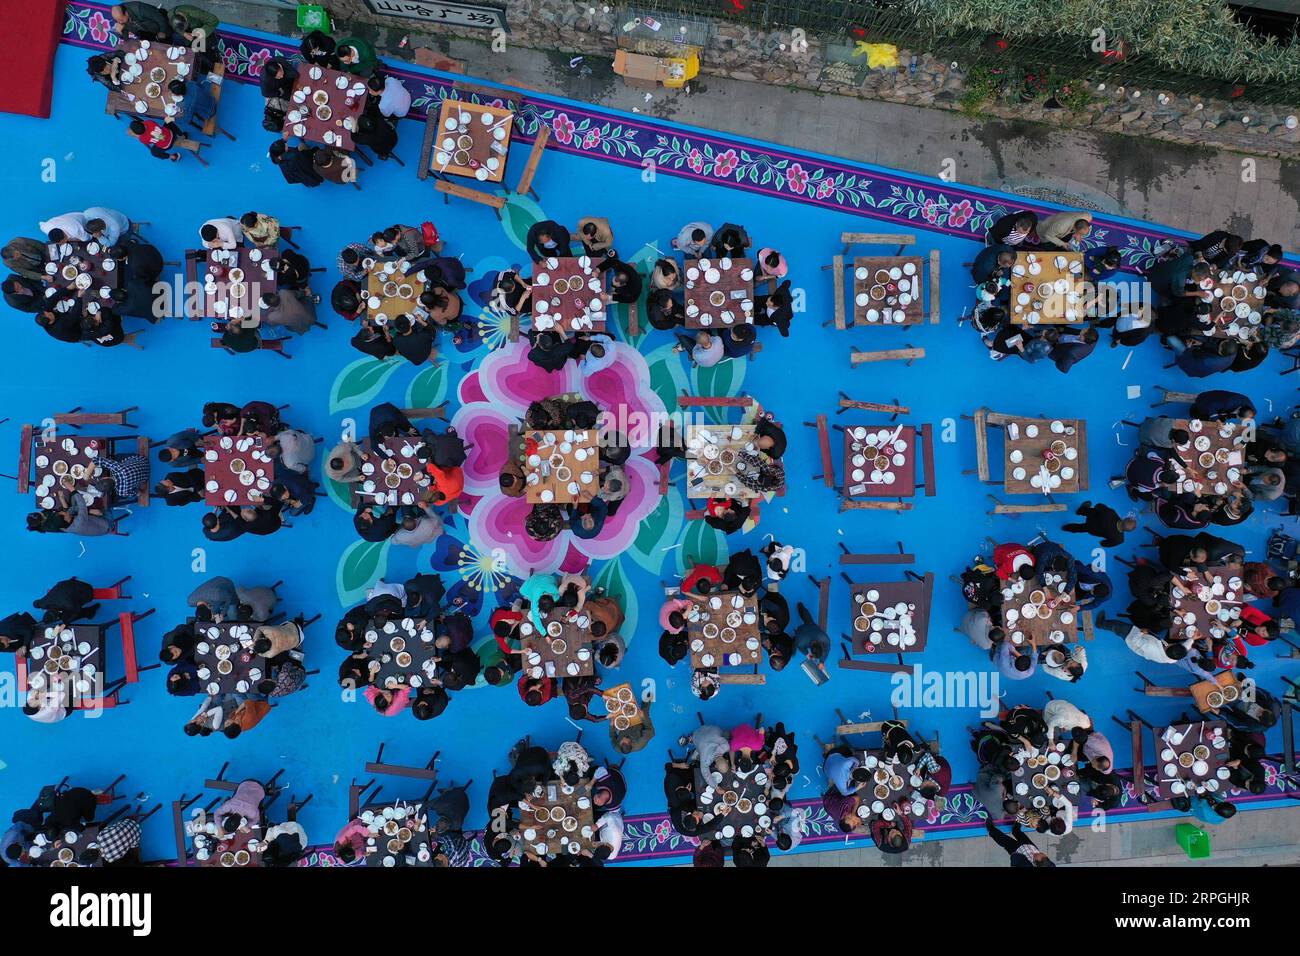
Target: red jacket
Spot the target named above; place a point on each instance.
(548, 687)
(702, 572)
(1007, 559)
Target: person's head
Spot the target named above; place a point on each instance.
(1198, 554)
(698, 235)
(1201, 270)
(1272, 255)
(1022, 663)
(997, 635)
(232, 730)
(1175, 652)
(1081, 228)
(1089, 335)
(1057, 827)
(545, 238)
(275, 151)
(262, 645)
(1026, 572)
(1101, 763)
(137, 128)
(231, 822)
(1224, 809)
(322, 158)
(176, 87)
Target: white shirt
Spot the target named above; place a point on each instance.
(1063, 715)
(708, 357)
(1077, 654)
(1146, 645)
(229, 232)
(395, 101)
(72, 223)
(116, 224)
(611, 829)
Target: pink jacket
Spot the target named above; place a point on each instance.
(401, 697)
(355, 833)
(675, 604)
(747, 737)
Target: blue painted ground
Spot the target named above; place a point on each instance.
(322, 741)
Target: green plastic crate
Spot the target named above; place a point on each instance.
(1194, 841)
(313, 17)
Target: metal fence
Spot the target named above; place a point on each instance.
(890, 21)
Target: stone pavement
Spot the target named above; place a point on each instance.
(1253, 838)
(1192, 188)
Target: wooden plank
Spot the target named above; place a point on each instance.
(90, 418)
(426, 145)
(1139, 769)
(858, 357)
(741, 679)
(837, 276)
(210, 127)
(982, 444)
(714, 401)
(848, 504)
(1001, 509)
(534, 159)
(178, 830)
(934, 286)
(878, 238)
(927, 459)
(824, 442)
(875, 407)
(845, 730)
(399, 770)
(665, 469)
(473, 195)
(823, 602)
(1085, 618)
(25, 460)
(439, 411)
(634, 318)
(890, 558)
(880, 667)
(142, 496)
(1082, 429)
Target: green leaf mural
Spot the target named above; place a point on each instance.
(615, 583)
(718, 381)
(702, 545)
(340, 492)
(667, 377)
(660, 529)
(518, 216)
(429, 388)
(360, 381)
(362, 564)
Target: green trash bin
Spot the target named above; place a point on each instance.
(1194, 841)
(313, 17)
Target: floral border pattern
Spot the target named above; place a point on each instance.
(711, 157)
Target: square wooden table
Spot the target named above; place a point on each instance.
(719, 293)
(391, 293)
(234, 281)
(86, 270)
(887, 290)
(1035, 774)
(159, 64)
(713, 460)
(1236, 311)
(227, 459)
(568, 292)
(394, 830)
(240, 849)
(891, 781)
(1214, 457)
(565, 650)
(879, 461)
(1210, 597)
(723, 630)
(1061, 443)
(400, 653)
(72, 654)
(393, 473)
(890, 617)
(324, 112)
(576, 827)
(71, 458)
(1190, 758)
(1040, 612)
(748, 794)
(562, 466)
(1054, 295)
(472, 140)
(232, 666)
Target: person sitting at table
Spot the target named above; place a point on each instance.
(334, 166)
(1070, 347)
(625, 282)
(1067, 665)
(319, 49)
(297, 166)
(246, 715)
(26, 257)
(776, 309)
(596, 237)
(195, 98)
(70, 226)
(278, 78)
(730, 241)
(16, 633)
(221, 233)
(1102, 264)
(289, 309)
(23, 295)
(664, 311)
(1064, 230)
(293, 272)
(142, 21)
(727, 515)
(547, 239)
(703, 349)
(1219, 248)
(106, 69)
(1102, 522)
(389, 94)
(993, 262)
(1179, 279)
(356, 56)
(1014, 229)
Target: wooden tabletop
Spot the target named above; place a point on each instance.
(1032, 448)
(567, 291)
(878, 293)
(891, 781)
(1040, 609)
(161, 63)
(1186, 591)
(226, 459)
(236, 279)
(719, 292)
(748, 796)
(567, 466)
(476, 147)
(727, 629)
(234, 640)
(390, 293)
(1214, 457)
(872, 449)
(877, 603)
(1232, 289)
(714, 476)
(409, 836)
(1040, 292)
(1172, 754)
(304, 118)
(1027, 775)
(73, 458)
(567, 653)
(546, 835)
(400, 653)
(393, 473)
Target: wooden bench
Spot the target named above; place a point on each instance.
(934, 286)
(263, 345)
(525, 185)
(1002, 508)
(741, 679)
(824, 443)
(493, 200)
(858, 504)
(850, 239)
(77, 418)
(909, 355)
